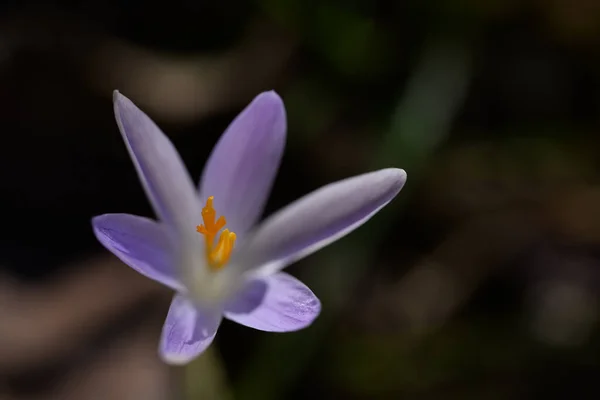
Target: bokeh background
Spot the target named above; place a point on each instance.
(480, 281)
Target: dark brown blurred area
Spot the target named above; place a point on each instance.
(481, 280)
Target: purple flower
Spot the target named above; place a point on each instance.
(207, 245)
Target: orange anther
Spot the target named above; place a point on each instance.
(217, 255)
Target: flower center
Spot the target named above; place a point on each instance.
(217, 255)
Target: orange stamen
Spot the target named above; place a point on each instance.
(217, 255)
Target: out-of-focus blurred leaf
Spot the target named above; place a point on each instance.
(433, 96)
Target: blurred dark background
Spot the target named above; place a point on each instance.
(481, 280)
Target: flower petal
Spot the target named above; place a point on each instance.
(187, 331)
(243, 164)
(139, 242)
(276, 303)
(318, 219)
(160, 169)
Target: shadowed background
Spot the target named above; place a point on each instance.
(481, 280)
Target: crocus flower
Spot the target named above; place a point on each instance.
(207, 245)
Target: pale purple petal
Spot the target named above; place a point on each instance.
(275, 303)
(318, 219)
(187, 331)
(160, 169)
(249, 297)
(243, 164)
(139, 242)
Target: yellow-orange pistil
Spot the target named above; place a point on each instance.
(217, 255)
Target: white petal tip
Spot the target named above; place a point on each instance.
(174, 359)
(122, 103)
(269, 99)
(125, 109)
(116, 95)
(395, 176)
(119, 102)
(400, 175)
